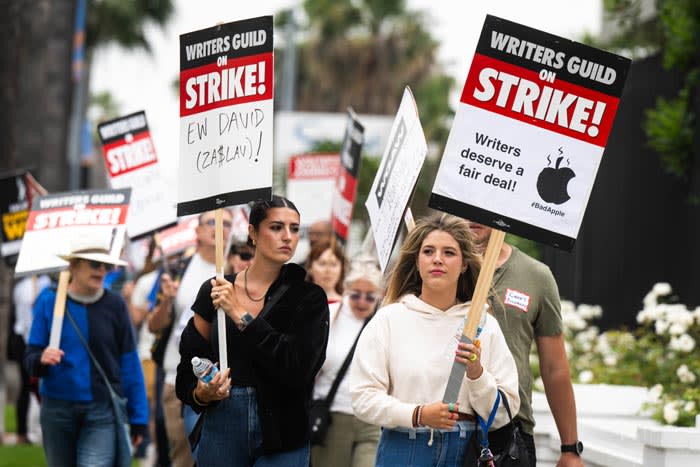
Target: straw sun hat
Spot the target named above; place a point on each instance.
(92, 247)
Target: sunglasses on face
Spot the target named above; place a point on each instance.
(96, 265)
(212, 223)
(369, 297)
(245, 256)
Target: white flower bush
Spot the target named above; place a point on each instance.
(661, 354)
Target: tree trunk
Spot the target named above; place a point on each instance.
(35, 92)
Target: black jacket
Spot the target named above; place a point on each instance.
(287, 347)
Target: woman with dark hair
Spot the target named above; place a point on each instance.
(405, 354)
(326, 268)
(256, 411)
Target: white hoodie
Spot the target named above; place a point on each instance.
(404, 357)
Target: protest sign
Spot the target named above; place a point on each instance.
(528, 137)
(310, 185)
(131, 161)
(57, 218)
(346, 181)
(17, 190)
(392, 186)
(177, 239)
(226, 86)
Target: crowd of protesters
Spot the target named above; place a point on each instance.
(299, 337)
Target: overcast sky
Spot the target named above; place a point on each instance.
(142, 81)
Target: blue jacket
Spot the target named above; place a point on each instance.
(107, 328)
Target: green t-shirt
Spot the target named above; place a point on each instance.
(526, 306)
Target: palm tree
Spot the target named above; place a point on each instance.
(362, 54)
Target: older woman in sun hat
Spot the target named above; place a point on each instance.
(77, 417)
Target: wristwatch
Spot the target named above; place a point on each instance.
(246, 319)
(576, 448)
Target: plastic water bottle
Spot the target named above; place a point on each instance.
(204, 369)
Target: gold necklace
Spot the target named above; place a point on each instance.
(245, 286)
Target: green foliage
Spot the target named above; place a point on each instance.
(123, 21)
(433, 100)
(368, 169)
(362, 53)
(680, 23)
(669, 130)
(675, 30)
(10, 419)
(525, 245)
(28, 456)
(25, 455)
(327, 146)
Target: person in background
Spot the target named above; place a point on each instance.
(173, 308)
(350, 442)
(520, 279)
(24, 293)
(320, 232)
(405, 354)
(326, 268)
(239, 257)
(77, 417)
(255, 412)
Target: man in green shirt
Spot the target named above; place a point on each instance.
(527, 308)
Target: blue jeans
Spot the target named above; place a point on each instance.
(80, 434)
(412, 448)
(231, 435)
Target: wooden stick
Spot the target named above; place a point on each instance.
(483, 283)
(408, 219)
(59, 309)
(220, 315)
(476, 310)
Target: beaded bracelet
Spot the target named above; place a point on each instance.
(420, 412)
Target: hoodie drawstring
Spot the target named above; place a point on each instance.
(430, 441)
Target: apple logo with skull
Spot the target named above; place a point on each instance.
(552, 183)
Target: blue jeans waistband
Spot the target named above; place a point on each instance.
(462, 426)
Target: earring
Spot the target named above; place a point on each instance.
(254, 243)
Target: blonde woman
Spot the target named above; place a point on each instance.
(405, 354)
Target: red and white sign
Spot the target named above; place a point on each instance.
(226, 114)
(131, 162)
(346, 182)
(533, 120)
(311, 183)
(178, 238)
(56, 219)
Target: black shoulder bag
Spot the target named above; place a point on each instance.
(320, 411)
(123, 452)
(505, 447)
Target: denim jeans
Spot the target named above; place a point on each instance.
(413, 448)
(231, 435)
(78, 434)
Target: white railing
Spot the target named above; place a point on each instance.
(614, 433)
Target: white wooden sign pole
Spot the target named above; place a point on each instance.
(220, 315)
(59, 309)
